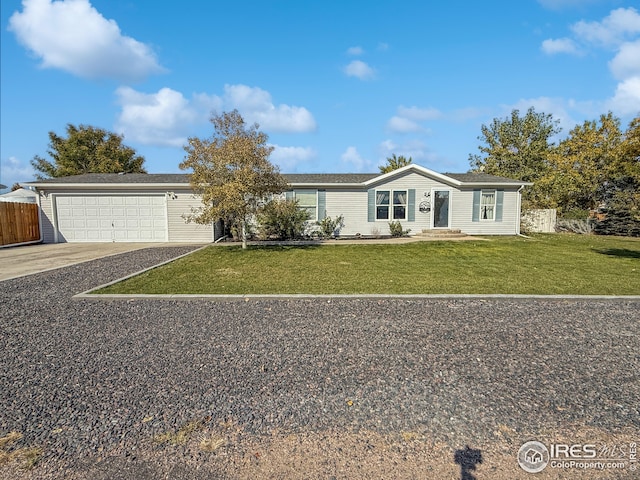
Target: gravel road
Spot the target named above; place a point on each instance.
(136, 389)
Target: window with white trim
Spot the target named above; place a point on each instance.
(487, 204)
(391, 204)
(308, 200)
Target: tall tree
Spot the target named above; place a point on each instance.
(231, 171)
(584, 163)
(394, 163)
(87, 149)
(518, 147)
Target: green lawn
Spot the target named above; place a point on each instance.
(544, 264)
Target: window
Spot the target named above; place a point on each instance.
(307, 200)
(487, 204)
(382, 205)
(400, 205)
(394, 202)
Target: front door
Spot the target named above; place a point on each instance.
(440, 208)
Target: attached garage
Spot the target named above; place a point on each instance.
(130, 207)
(111, 218)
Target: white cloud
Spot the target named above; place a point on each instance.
(161, 118)
(72, 35)
(618, 32)
(13, 170)
(165, 118)
(256, 105)
(626, 100)
(408, 118)
(355, 51)
(560, 45)
(354, 160)
(359, 69)
(419, 114)
(417, 150)
(626, 63)
(383, 47)
(288, 158)
(398, 124)
(614, 29)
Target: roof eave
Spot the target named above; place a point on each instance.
(497, 184)
(43, 186)
(327, 185)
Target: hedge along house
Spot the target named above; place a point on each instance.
(152, 207)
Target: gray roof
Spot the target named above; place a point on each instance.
(293, 178)
(479, 177)
(324, 178)
(119, 178)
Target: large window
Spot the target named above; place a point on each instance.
(308, 200)
(487, 204)
(391, 204)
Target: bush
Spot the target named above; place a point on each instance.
(330, 227)
(395, 228)
(282, 220)
(575, 214)
(574, 226)
(618, 222)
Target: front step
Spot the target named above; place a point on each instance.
(444, 233)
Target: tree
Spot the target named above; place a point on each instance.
(87, 149)
(518, 147)
(585, 163)
(394, 163)
(232, 172)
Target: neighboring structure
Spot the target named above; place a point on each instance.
(151, 207)
(22, 195)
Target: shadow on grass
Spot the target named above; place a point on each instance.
(283, 247)
(618, 252)
(468, 459)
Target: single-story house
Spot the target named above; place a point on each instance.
(151, 207)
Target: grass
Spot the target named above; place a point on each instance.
(544, 264)
(27, 457)
(181, 436)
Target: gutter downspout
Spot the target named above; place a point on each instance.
(520, 212)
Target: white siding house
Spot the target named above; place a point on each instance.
(153, 207)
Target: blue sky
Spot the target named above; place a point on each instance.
(337, 85)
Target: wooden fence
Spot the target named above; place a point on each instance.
(19, 223)
(539, 221)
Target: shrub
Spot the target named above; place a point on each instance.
(282, 220)
(330, 227)
(575, 214)
(574, 226)
(618, 222)
(395, 228)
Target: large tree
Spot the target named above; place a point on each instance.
(87, 149)
(518, 147)
(394, 163)
(232, 172)
(585, 163)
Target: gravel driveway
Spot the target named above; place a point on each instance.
(305, 388)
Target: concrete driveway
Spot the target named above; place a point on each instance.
(29, 259)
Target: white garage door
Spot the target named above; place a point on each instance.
(111, 218)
